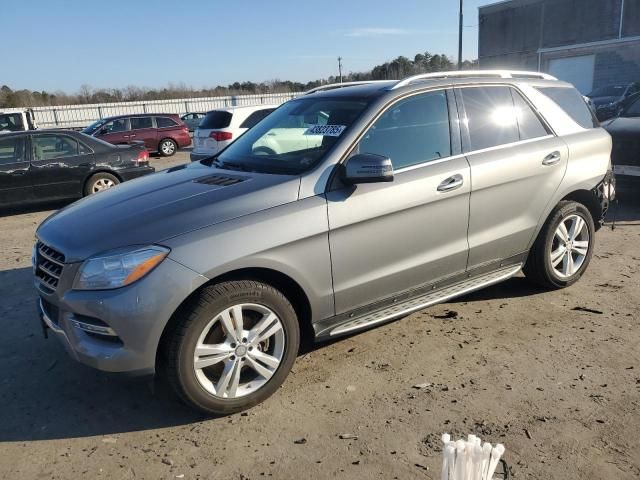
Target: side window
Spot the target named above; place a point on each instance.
(117, 125)
(633, 110)
(138, 123)
(529, 124)
(164, 122)
(48, 147)
(570, 100)
(83, 149)
(11, 150)
(412, 131)
(255, 117)
(491, 117)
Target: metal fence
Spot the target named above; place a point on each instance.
(77, 116)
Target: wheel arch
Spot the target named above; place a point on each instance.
(284, 283)
(590, 200)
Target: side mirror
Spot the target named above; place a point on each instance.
(367, 168)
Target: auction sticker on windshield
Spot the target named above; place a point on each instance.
(325, 130)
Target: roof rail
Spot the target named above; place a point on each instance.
(473, 73)
(333, 86)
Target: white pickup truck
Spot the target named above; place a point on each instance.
(17, 120)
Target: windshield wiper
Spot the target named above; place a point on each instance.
(231, 166)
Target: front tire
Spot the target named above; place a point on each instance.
(167, 147)
(231, 346)
(564, 247)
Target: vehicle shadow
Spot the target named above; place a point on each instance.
(46, 395)
(35, 207)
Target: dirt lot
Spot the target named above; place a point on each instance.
(559, 386)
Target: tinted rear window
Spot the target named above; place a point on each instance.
(138, 123)
(216, 119)
(570, 100)
(255, 117)
(164, 122)
(11, 150)
(491, 117)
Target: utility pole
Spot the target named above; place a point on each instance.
(460, 27)
(340, 68)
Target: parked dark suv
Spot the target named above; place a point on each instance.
(161, 132)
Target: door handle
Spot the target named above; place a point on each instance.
(125, 136)
(19, 172)
(551, 159)
(451, 183)
(132, 135)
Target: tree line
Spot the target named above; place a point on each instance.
(398, 68)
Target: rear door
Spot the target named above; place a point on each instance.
(143, 129)
(516, 166)
(389, 238)
(15, 178)
(59, 165)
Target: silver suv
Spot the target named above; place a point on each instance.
(388, 197)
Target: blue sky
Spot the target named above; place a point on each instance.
(60, 45)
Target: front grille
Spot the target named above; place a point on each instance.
(49, 266)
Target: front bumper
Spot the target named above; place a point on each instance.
(118, 330)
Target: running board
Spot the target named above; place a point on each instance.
(426, 300)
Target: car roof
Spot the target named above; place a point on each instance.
(148, 114)
(66, 131)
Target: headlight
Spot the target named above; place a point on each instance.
(118, 268)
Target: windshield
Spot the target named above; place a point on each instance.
(294, 138)
(94, 126)
(609, 91)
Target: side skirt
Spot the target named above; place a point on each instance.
(426, 296)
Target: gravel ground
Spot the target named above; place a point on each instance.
(558, 385)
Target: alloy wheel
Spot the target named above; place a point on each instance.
(239, 350)
(102, 184)
(168, 148)
(570, 246)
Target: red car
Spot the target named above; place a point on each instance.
(161, 132)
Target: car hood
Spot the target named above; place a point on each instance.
(621, 127)
(157, 207)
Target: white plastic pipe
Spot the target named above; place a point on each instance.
(486, 458)
(460, 461)
(449, 460)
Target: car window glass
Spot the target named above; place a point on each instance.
(11, 150)
(83, 149)
(255, 117)
(47, 147)
(570, 100)
(164, 122)
(115, 126)
(491, 117)
(11, 122)
(633, 110)
(216, 119)
(138, 123)
(411, 131)
(529, 124)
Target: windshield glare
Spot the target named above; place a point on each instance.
(294, 138)
(94, 126)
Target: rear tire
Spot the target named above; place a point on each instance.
(167, 147)
(99, 182)
(219, 365)
(564, 247)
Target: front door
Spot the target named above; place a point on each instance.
(387, 238)
(516, 166)
(59, 165)
(15, 178)
(116, 131)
